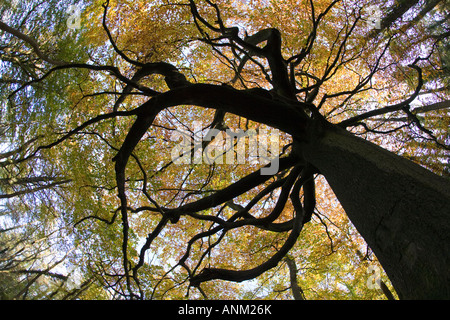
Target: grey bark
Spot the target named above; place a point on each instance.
(401, 209)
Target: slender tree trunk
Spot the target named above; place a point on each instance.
(297, 292)
(401, 209)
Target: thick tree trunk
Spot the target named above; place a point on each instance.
(401, 209)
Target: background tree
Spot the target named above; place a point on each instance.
(144, 226)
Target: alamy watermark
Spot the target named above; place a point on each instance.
(74, 20)
(227, 147)
(374, 280)
(373, 16)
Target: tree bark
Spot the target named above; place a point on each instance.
(297, 292)
(401, 209)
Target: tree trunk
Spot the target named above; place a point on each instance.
(401, 209)
(297, 292)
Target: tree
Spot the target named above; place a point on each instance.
(315, 71)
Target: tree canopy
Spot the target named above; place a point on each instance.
(154, 149)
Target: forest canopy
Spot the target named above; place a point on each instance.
(162, 149)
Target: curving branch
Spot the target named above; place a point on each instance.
(30, 41)
(111, 40)
(237, 276)
(396, 107)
